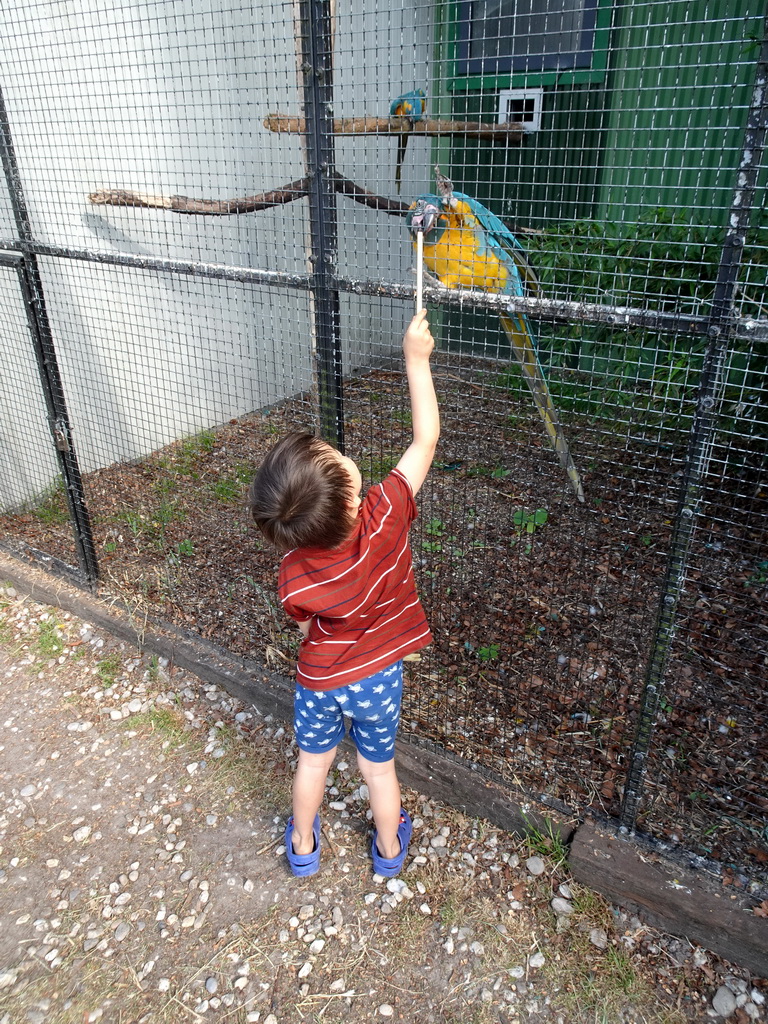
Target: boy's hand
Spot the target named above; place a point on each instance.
(418, 342)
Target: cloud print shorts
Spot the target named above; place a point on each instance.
(371, 706)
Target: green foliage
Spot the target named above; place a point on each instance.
(435, 528)
(108, 669)
(376, 467)
(489, 653)
(191, 449)
(184, 549)
(49, 640)
(759, 576)
(528, 522)
(546, 842)
(228, 488)
(52, 508)
(663, 263)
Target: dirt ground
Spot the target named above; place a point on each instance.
(543, 627)
(142, 876)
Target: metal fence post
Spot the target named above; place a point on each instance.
(721, 330)
(317, 71)
(47, 363)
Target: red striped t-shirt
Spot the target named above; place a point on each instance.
(361, 596)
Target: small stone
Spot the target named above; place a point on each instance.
(535, 866)
(240, 983)
(305, 970)
(248, 885)
(307, 911)
(438, 842)
(425, 908)
(317, 946)
(82, 833)
(8, 978)
(537, 960)
(337, 986)
(565, 891)
(271, 1019)
(122, 931)
(211, 986)
(519, 972)
(477, 948)
(164, 985)
(561, 907)
(28, 790)
(386, 1010)
(724, 1002)
(757, 997)
(598, 937)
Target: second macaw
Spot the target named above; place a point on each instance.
(410, 105)
(467, 246)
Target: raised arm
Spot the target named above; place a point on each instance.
(418, 344)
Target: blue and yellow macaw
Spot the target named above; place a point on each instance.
(410, 105)
(467, 246)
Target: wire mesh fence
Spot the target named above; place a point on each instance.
(203, 244)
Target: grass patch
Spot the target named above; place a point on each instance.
(603, 987)
(191, 449)
(375, 467)
(108, 668)
(227, 489)
(52, 508)
(49, 642)
(167, 723)
(546, 842)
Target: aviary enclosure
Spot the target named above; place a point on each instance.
(203, 244)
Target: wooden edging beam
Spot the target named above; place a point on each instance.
(667, 895)
(670, 896)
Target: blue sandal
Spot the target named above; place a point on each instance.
(303, 864)
(386, 866)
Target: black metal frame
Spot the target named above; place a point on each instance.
(45, 353)
(721, 330)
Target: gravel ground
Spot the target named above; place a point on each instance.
(143, 877)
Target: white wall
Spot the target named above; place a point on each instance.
(28, 463)
(169, 98)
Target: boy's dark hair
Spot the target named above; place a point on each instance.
(299, 496)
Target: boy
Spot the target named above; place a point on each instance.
(347, 580)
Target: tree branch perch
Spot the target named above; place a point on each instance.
(248, 204)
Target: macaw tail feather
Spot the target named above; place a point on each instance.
(519, 334)
(402, 145)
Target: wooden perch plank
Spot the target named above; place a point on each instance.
(511, 131)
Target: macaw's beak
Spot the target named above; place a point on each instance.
(423, 218)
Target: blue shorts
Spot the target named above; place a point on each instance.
(372, 706)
